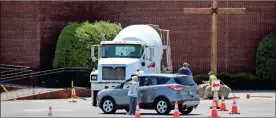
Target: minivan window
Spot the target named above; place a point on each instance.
(149, 81)
(142, 81)
(162, 80)
(184, 80)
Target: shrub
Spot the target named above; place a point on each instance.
(75, 41)
(266, 58)
(65, 46)
(199, 77)
(238, 80)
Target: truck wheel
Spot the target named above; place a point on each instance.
(186, 111)
(108, 105)
(162, 106)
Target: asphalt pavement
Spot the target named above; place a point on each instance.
(253, 107)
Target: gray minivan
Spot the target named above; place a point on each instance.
(157, 91)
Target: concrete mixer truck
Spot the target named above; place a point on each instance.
(136, 48)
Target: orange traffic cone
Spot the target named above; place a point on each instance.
(216, 99)
(73, 94)
(222, 106)
(137, 112)
(214, 112)
(234, 107)
(176, 113)
(50, 111)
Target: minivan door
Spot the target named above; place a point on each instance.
(122, 93)
(147, 91)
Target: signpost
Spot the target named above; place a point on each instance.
(216, 85)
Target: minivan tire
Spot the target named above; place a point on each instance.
(186, 111)
(108, 102)
(164, 102)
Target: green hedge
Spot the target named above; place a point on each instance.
(245, 81)
(76, 39)
(266, 58)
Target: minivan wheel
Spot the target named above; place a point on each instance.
(108, 106)
(162, 106)
(186, 111)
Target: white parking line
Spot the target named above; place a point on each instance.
(39, 101)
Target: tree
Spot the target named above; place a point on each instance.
(266, 57)
(75, 41)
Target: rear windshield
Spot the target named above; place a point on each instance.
(185, 81)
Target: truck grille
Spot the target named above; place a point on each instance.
(117, 73)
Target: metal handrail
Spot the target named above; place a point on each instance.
(16, 66)
(12, 70)
(41, 73)
(38, 72)
(7, 68)
(15, 73)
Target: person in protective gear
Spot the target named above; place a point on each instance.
(224, 89)
(208, 89)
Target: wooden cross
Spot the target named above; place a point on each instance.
(214, 10)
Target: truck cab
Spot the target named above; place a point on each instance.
(119, 60)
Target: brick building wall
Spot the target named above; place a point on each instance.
(20, 37)
(36, 28)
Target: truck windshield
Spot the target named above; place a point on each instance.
(121, 50)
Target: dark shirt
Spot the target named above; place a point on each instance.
(185, 70)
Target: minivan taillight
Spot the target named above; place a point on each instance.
(176, 87)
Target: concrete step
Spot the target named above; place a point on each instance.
(19, 86)
(45, 93)
(25, 92)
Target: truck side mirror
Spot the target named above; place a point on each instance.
(147, 52)
(93, 57)
(151, 53)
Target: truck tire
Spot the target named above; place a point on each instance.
(186, 111)
(108, 105)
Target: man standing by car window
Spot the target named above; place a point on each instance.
(185, 70)
(133, 94)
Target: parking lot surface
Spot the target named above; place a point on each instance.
(253, 107)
